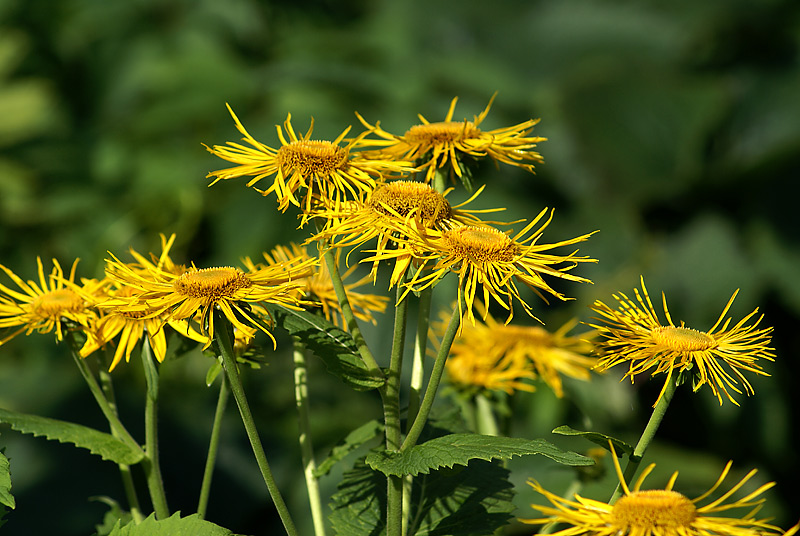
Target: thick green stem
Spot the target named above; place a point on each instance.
(306, 445)
(124, 470)
(213, 446)
(347, 313)
(150, 464)
(390, 394)
(649, 432)
(223, 337)
(436, 377)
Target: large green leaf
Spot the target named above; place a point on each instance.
(104, 445)
(330, 343)
(5, 483)
(596, 437)
(459, 449)
(364, 433)
(464, 501)
(192, 525)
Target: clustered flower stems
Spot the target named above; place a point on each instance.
(223, 338)
(213, 447)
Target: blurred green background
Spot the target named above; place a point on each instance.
(674, 128)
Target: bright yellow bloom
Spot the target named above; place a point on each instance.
(485, 257)
(393, 209)
(440, 144)
(197, 292)
(131, 326)
(493, 355)
(306, 171)
(660, 512)
(318, 288)
(42, 306)
(634, 334)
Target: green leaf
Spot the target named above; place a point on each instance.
(192, 525)
(5, 483)
(596, 437)
(459, 449)
(213, 372)
(364, 433)
(330, 343)
(463, 501)
(115, 515)
(104, 445)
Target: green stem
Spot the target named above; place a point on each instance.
(108, 412)
(347, 314)
(223, 337)
(213, 446)
(486, 421)
(436, 377)
(649, 432)
(124, 470)
(306, 446)
(391, 411)
(150, 464)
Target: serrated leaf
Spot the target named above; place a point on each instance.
(115, 515)
(174, 525)
(104, 445)
(330, 343)
(597, 438)
(5, 483)
(364, 433)
(465, 501)
(459, 449)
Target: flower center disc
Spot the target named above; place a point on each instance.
(53, 304)
(439, 133)
(683, 339)
(309, 157)
(481, 244)
(405, 196)
(214, 283)
(642, 511)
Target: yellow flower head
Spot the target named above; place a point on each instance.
(493, 355)
(660, 512)
(440, 144)
(485, 257)
(131, 325)
(306, 171)
(392, 209)
(634, 334)
(318, 288)
(42, 306)
(196, 292)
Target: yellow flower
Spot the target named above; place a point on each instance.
(634, 334)
(660, 512)
(392, 209)
(305, 170)
(198, 291)
(485, 257)
(440, 144)
(42, 306)
(318, 287)
(131, 326)
(497, 356)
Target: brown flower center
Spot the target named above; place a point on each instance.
(642, 512)
(403, 197)
(55, 303)
(213, 283)
(441, 133)
(313, 158)
(683, 339)
(481, 244)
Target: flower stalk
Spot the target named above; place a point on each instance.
(213, 446)
(151, 465)
(223, 337)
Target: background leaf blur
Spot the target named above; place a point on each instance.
(673, 128)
